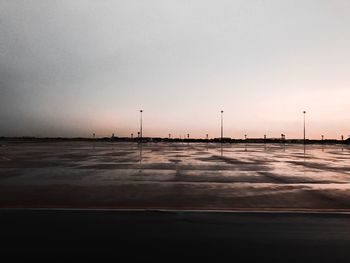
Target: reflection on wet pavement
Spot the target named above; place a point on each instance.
(175, 175)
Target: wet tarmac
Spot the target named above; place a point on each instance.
(49, 235)
(194, 176)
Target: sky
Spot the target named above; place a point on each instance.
(73, 68)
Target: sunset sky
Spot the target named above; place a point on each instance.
(71, 68)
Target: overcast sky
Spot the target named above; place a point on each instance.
(71, 68)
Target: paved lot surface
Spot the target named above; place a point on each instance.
(116, 236)
(175, 175)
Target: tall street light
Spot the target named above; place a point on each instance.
(304, 112)
(222, 125)
(141, 125)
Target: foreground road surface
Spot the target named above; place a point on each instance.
(66, 235)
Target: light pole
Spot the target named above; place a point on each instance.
(141, 125)
(222, 125)
(304, 112)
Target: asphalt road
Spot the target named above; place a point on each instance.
(175, 176)
(100, 235)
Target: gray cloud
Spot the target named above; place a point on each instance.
(62, 62)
